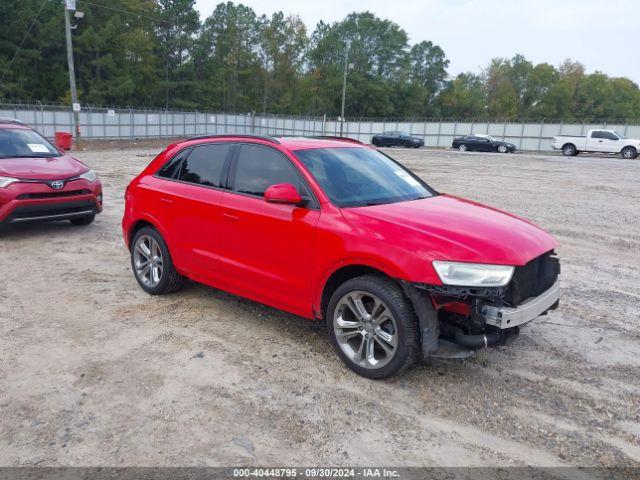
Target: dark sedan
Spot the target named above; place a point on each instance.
(396, 139)
(482, 143)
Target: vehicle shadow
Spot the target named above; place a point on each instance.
(21, 230)
(309, 337)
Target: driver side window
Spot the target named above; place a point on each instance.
(257, 168)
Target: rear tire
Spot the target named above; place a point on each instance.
(152, 264)
(462, 148)
(81, 221)
(629, 153)
(380, 340)
(569, 150)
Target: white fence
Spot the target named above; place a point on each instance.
(102, 123)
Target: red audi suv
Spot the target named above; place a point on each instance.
(38, 182)
(334, 230)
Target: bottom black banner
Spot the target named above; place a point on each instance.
(317, 473)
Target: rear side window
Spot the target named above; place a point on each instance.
(172, 167)
(205, 164)
(260, 167)
(596, 134)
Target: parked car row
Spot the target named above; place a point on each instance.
(477, 142)
(596, 141)
(327, 229)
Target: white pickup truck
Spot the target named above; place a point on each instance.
(603, 141)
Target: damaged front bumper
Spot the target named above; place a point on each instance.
(508, 317)
(490, 321)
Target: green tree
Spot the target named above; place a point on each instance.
(502, 97)
(38, 71)
(177, 25)
(463, 97)
(114, 54)
(157, 53)
(283, 42)
(376, 49)
(227, 58)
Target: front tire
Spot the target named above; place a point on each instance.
(629, 153)
(373, 326)
(502, 149)
(152, 264)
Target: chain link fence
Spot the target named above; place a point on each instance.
(131, 124)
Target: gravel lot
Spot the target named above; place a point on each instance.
(95, 372)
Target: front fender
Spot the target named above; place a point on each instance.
(356, 261)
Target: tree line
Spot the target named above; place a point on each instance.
(161, 54)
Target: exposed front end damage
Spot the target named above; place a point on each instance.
(456, 320)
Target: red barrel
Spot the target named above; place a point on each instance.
(64, 140)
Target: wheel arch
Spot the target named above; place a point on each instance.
(628, 146)
(569, 143)
(142, 222)
(333, 279)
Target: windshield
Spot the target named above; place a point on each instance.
(19, 142)
(356, 177)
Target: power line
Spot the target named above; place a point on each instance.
(15, 55)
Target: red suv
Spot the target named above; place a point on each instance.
(335, 230)
(40, 183)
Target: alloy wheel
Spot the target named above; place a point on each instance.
(462, 148)
(502, 149)
(365, 329)
(148, 261)
(627, 153)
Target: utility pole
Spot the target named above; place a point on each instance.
(344, 84)
(68, 6)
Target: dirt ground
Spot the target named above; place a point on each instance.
(93, 371)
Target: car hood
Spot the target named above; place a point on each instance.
(450, 228)
(51, 168)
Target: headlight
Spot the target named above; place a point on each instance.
(89, 176)
(6, 181)
(473, 274)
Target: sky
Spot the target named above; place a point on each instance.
(603, 35)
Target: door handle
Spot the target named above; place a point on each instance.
(232, 218)
(166, 201)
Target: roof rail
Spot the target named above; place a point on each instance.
(236, 135)
(11, 120)
(334, 137)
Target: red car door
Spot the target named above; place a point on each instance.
(267, 249)
(189, 204)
